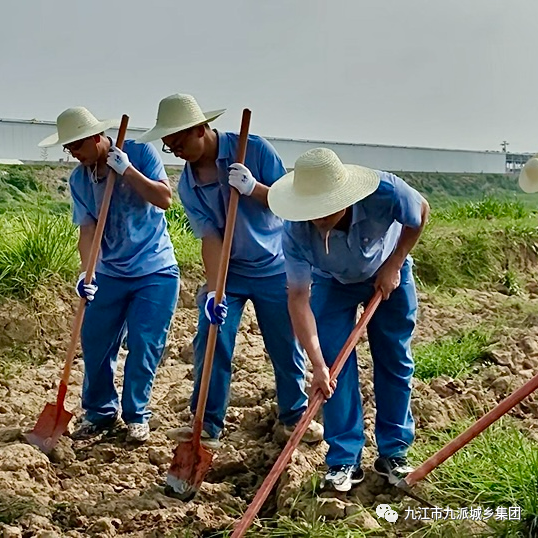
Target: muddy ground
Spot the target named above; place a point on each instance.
(110, 488)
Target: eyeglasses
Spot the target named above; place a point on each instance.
(166, 149)
(179, 139)
(74, 146)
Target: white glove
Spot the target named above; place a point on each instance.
(241, 178)
(117, 160)
(86, 290)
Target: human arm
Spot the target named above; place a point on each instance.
(388, 276)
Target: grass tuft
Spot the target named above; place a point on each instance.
(453, 356)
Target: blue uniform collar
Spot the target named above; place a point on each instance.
(223, 153)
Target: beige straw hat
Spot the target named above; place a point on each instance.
(528, 177)
(75, 124)
(176, 113)
(319, 186)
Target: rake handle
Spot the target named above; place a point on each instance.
(92, 262)
(302, 425)
(221, 283)
(470, 433)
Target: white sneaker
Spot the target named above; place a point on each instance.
(138, 432)
(312, 436)
(343, 477)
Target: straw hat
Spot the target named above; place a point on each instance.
(176, 113)
(75, 124)
(528, 177)
(319, 186)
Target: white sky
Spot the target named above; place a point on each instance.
(455, 74)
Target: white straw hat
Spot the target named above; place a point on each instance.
(75, 124)
(528, 177)
(176, 113)
(319, 186)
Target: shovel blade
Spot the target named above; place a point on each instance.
(50, 426)
(190, 464)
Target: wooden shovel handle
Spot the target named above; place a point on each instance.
(470, 433)
(94, 253)
(221, 283)
(302, 425)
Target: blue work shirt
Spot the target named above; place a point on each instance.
(257, 241)
(135, 240)
(356, 255)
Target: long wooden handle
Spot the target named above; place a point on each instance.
(221, 283)
(302, 425)
(470, 433)
(92, 262)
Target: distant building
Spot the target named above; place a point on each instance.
(19, 139)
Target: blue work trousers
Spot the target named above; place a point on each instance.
(143, 307)
(389, 334)
(270, 299)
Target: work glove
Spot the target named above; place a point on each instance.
(216, 314)
(118, 160)
(241, 178)
(86, 290)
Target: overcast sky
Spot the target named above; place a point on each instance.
(453, 73)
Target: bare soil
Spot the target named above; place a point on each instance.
(108, 487)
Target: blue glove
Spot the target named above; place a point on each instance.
(216, 314)
(86, 290)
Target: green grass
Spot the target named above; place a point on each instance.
(35, 248)
(453, 356)
(486, 208)
(479, 253)
(498, 468)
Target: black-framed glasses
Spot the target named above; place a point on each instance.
(166, 149)
(75, 146)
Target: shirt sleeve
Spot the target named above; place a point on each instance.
(82, 215)
(298, 268)
(201, 223)
(407, 203)
(271, 166)
(152, 165)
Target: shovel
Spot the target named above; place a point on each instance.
(191, 460)
(53, 421)
(468, 435)
(302, 425)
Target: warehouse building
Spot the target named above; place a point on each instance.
(19, 139)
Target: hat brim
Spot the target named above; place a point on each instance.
(160, 132)
(286, 203)
(103, 125)
(526, 184)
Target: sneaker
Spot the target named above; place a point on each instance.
(394, 469)
(137, 432)
(88, 430)
(312, 436)
(184, 434)
(343, 477)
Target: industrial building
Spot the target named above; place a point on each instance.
(19, 139)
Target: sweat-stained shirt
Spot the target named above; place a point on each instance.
(356, 255)
(135, 240)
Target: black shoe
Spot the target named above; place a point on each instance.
(357, 477)
(342, 477)
(394, 469)
(88, 430)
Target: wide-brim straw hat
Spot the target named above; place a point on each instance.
(528, 177)
(320, 185)
(176, 113)
(75, 124)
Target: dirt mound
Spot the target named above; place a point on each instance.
(108, 487)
